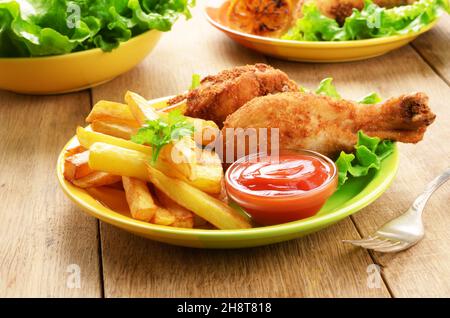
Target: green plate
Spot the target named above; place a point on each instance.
(352, 197)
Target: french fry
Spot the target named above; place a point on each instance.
(74, 150)
(113, 129)
(131, 163)
(87, 138)
(200, 168)
(112, 112)
(183, 217)
(119, 161)
(186, 158)
(112, 198)
(159, 104)
(139, 199)
(163, 217)
(76, 166)
(193, 199)
(96, 179)
(140, 108)
(181, 106)
(116, 200)
(206, 131)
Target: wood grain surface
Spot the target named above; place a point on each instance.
(42, 234)
(434, 47)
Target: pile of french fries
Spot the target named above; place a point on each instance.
(183, 188)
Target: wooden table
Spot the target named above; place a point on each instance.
(45, 239)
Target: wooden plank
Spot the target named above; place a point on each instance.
(318, 265)
(434, 47)
(42, 233)
(423, 270)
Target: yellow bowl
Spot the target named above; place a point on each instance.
(74, 71)
(308, 51)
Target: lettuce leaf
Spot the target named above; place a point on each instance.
(31, 28)
(372, 98)
(327, 88)
(369, 152)
(196, 79)
(371, 22)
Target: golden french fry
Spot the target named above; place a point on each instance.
(222, 195)
(140, 201)
(183, 217)
(160, 104)
(119, 161)
(197, 201)
(131, 163)
(74, 150)
(87, 138)
(96, 179)
(112, 112)
(200, 168)
(76, 166)
(112, 198)
(181, 106)
(140, 108)
(207, 173)
(113, 129)
(163, 217)
(116, 200)
(206, 131)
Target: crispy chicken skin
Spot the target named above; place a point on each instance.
(220, 95)
(327, 125)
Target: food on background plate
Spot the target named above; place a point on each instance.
(168, 173)
(273, 18)
(34, 28)
(341, 9)
(332, 20)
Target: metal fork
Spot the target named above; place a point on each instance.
(406, 230)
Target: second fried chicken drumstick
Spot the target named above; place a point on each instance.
(328, 125)
(222, 94)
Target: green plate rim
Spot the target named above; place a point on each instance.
(375, 187)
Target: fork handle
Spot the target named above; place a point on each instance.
(422, 199)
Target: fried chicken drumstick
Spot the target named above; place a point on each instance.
(328, 126)
(222, 94)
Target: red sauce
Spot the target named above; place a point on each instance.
(277, 190)
(292, 173)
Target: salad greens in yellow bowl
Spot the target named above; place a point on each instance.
(56, 46)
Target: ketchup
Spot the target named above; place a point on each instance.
(289, 174)
(292, 186)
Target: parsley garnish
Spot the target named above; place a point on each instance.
(160, 132)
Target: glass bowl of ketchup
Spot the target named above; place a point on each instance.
(289, 186)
